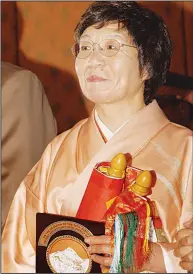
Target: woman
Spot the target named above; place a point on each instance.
(122, 56)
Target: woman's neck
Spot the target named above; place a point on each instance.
(116, 114)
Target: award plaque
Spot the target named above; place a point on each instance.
(60, 246)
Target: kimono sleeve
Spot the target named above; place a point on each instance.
(172, 262)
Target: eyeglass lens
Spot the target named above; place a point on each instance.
(107, 47)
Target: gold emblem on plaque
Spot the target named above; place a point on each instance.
(66, 253)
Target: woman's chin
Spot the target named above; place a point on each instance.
(99, 97)
(99, 100)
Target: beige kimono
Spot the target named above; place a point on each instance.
(57, 183)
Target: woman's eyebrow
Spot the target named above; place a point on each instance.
(114, 36)
(85, 36)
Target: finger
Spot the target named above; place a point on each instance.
(189, 224)
(100, 249)
(187, 266)
(95, 240)
(182, 251)
(188, 257)
(188, 240)
(102, 260)
(183, 233)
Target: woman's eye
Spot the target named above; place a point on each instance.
(111, 47)
(84, 48)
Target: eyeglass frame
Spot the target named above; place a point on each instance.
(120, 45)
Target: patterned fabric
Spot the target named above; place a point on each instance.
(38, 36)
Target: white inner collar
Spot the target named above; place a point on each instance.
(105, 130)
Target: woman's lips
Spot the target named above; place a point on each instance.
(95, 78)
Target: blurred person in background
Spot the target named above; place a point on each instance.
(28, 126)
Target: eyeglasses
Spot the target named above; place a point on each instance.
(107, 47)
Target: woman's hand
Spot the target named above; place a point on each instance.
(100, 245)
(184, 250)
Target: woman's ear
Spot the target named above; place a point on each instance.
(145, 74)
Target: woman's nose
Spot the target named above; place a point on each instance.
(96, 58)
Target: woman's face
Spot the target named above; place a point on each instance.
(109, 79)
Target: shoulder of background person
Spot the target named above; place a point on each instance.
(10, 71)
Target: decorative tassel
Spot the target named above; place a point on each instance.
(143, 236)
(132, 223)
(147, 231)
(133, 229)
(128, 221)
(116, 266)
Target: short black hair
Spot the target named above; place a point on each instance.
(146, 28)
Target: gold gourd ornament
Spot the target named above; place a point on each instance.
(117, 166)
(143, 183)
